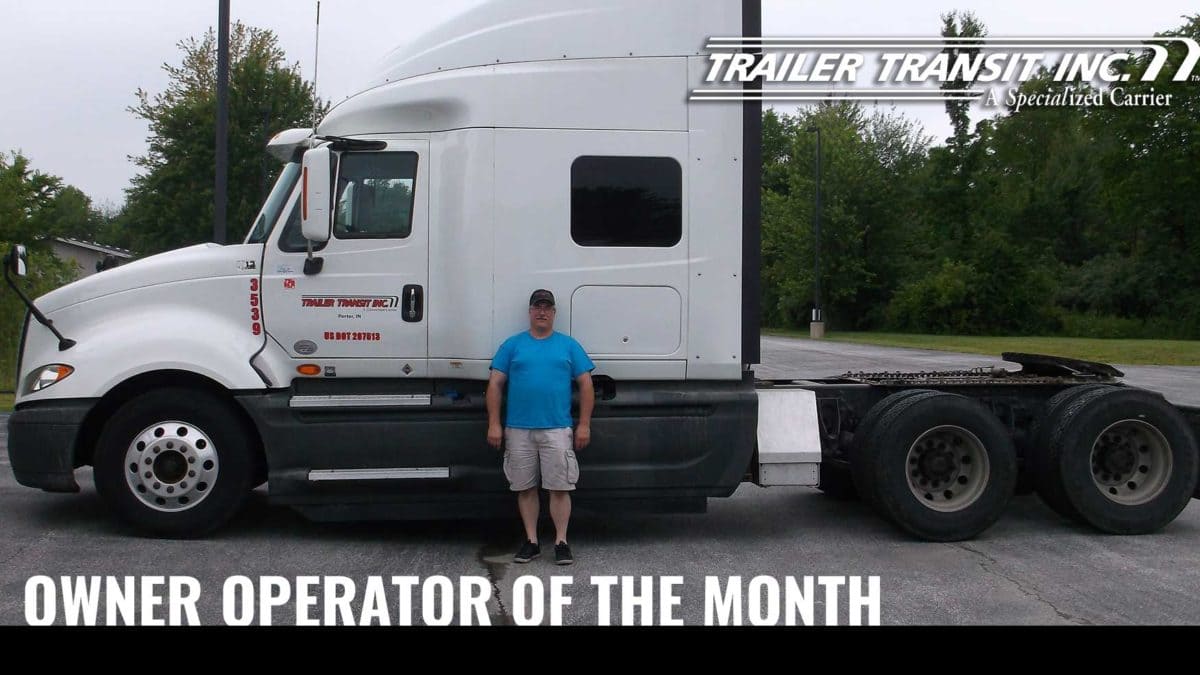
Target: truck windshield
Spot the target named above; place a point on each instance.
(274, 204)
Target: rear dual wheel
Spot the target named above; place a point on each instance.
(842, 480)
(861, 449)
(938, 465)
(1122, 460)
(1037, 462)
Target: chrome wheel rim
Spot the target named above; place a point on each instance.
(171, 466)
(1131, 462)
(947, 468)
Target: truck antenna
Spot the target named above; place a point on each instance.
(316, 56)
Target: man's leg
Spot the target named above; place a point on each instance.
(521, 467)
(527, 504)
(560, 513)
(560, 470)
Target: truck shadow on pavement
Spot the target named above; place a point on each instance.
(751, 516)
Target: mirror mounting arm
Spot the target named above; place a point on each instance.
(64, 343)
(312, 264)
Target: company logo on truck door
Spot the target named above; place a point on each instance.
(376, 303)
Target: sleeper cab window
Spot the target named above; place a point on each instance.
(375, 195)
(626, 201)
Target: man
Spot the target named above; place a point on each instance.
(538, 366)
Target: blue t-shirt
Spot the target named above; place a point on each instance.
(540, 373)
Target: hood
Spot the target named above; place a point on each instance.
(201, 261)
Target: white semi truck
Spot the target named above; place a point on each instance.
(340, 354)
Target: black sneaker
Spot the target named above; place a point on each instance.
(562, 554)
(527, 552)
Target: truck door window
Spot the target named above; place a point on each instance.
(626, 201)
(375, 195)
(274, 204)
(291, 239)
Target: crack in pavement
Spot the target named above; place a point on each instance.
(1028, 592)
(492, 557)
(21, 551)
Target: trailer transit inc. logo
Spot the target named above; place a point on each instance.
(965, 69)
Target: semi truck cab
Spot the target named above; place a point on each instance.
(346, 342)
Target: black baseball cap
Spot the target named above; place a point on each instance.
(541, 295)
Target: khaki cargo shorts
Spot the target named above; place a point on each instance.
(548, 454)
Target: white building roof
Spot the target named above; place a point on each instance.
(93, 246)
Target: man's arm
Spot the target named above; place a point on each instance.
(494, 393)
(587, 401)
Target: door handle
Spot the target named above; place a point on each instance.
(413, 303)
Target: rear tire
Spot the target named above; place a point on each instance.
(1045, 484)
(1123, 460)
(175, 462)
(943, 467)
(860, 454)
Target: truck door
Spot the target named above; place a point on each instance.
(364, 314)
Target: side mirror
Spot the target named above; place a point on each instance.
(15, 261)
(14, 265)
(315, 199)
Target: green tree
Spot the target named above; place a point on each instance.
(868, 201)
(36, 207)
(170, 204)
(1052, 218)
(960, 25)
(951, 165)
(1149, 156)
(70, 215)
(1038, 178)
(25, 196)
(1009, 205)
(33, 210)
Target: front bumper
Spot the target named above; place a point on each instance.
(41, 443)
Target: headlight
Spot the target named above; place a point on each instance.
(48, 375)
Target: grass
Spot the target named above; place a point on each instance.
(1131, 352)
(6, 402)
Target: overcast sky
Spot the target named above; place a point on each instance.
(69, 68)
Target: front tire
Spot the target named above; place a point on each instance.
(175, 462)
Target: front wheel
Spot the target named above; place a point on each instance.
(175, 462)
